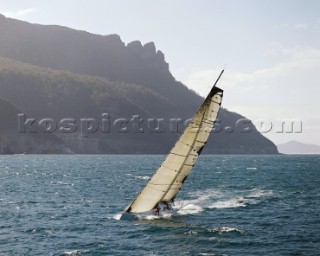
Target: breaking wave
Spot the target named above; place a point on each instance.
(209, 199)
(218, 199)
(142, 177)
(117, 216)
(75, 252)
(232, 203)
(189, 209)
(139, 177)
(221, 230)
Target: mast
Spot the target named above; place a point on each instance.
(169, 178)
(218, 78)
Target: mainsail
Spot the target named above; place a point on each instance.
(169, 178)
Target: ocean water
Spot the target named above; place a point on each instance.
(229, 205)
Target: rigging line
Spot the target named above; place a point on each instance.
(168, 168)
(203, 142)
(194, 122)
(208, 121)
(216, 102)
(190, 164)
(163, 191)
(156, 189)
(177, 154)
(161, 184)
(188, 146)
(214, 99)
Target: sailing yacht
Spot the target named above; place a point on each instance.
(158, 195)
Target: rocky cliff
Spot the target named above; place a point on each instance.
(57, 72)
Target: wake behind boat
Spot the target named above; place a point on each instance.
(158, 195)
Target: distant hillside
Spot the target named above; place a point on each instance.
(46, 93)
(12, 141)
(56, 72)
(295, 147)
(63, 48)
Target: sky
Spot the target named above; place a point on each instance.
(270, 50)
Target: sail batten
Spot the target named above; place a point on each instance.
(169, 178)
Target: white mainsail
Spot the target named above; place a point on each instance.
(169, 178)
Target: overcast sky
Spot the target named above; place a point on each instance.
(270, 49)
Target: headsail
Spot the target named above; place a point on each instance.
(168, 180)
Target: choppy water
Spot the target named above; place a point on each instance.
(230, 205)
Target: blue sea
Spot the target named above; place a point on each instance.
(229, 205)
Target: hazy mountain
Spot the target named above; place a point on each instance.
(63, 48)
(12, 141)
(56, 72)
(295, 147)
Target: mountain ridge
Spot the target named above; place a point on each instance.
(296, 147)
(12, 142)
(54, 71)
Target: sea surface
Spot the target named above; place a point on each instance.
(229, 205)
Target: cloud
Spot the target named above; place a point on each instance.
(301, 64)
(202, 80)
(294, 26)
(19, 13)
(301, 26)
(290, 88)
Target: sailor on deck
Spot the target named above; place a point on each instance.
(158, 210)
